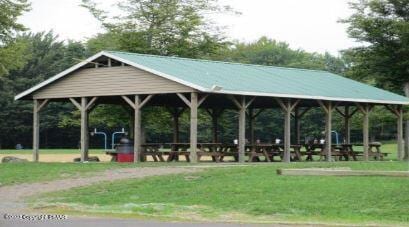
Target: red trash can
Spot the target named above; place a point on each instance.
(125, 157)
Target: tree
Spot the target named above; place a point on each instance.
(170, 27)
(382, 26)
(45, 57)
(267, 51)
(11, 53)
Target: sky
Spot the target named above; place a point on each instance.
(309, 25)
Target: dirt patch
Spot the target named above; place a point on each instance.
(11, 196)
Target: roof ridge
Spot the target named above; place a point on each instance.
(214, 61)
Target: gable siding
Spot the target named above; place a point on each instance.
(109, 81)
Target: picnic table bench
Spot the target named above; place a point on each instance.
(344, 151)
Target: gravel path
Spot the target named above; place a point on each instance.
(11, 197)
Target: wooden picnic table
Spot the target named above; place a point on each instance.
(177, 149)
(344, 151)
(374, 150)
(337, 150)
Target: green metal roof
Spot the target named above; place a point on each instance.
(248, 79)
(245, 79)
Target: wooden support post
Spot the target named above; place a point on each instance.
(137, 104)
(287, 132)
(84, 108)
(36, 130)
(287, 106)
(328, 107)
(37, 107)
(251, 125)
(193, 126)
(365, 110)
(84, 129)
(194, 104)
(242, 129)
(328, 131)
(400, 133)
(347, 125)
(406, 156)
(398, 112)
(242, 106)
(137, 129)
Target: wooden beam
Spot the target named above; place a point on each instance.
(84, 129)
(250, 114)
(234, 100)
(184, 99)
(328, 106)
(250, 102)
(393, 109)
(293, 105)
(38, 105)
(91, 103)
(129, 101)
(137, 128)
(75, 103)
(36, 130)
(399, 133)
(287, 132)
(258, 113)
(109, 62)
(323, 105)
(340, 112)
(193, 126)
(242, 128)
(406, 140)
(347, 125)
(353, 112)
(43, 104)
(365, 109)
(281, 103)
(304, 112)
(145, 101)
(202, 100)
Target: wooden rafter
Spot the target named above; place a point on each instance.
(184, 99)
(202, 100)
(75, 103)
(42, 104)
(129, 101)
(91, 103)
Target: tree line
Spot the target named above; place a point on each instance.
(184, 28)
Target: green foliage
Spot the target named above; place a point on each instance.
(10, 11)
(12, 55)
(172, 27)
(45, 57)
(383, 28)
(266, 51)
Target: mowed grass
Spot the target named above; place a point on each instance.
(248, 194)
(15, 173)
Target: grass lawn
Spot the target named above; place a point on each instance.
(248, 194)
(14, 173)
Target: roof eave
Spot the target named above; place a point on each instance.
(336, 99)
